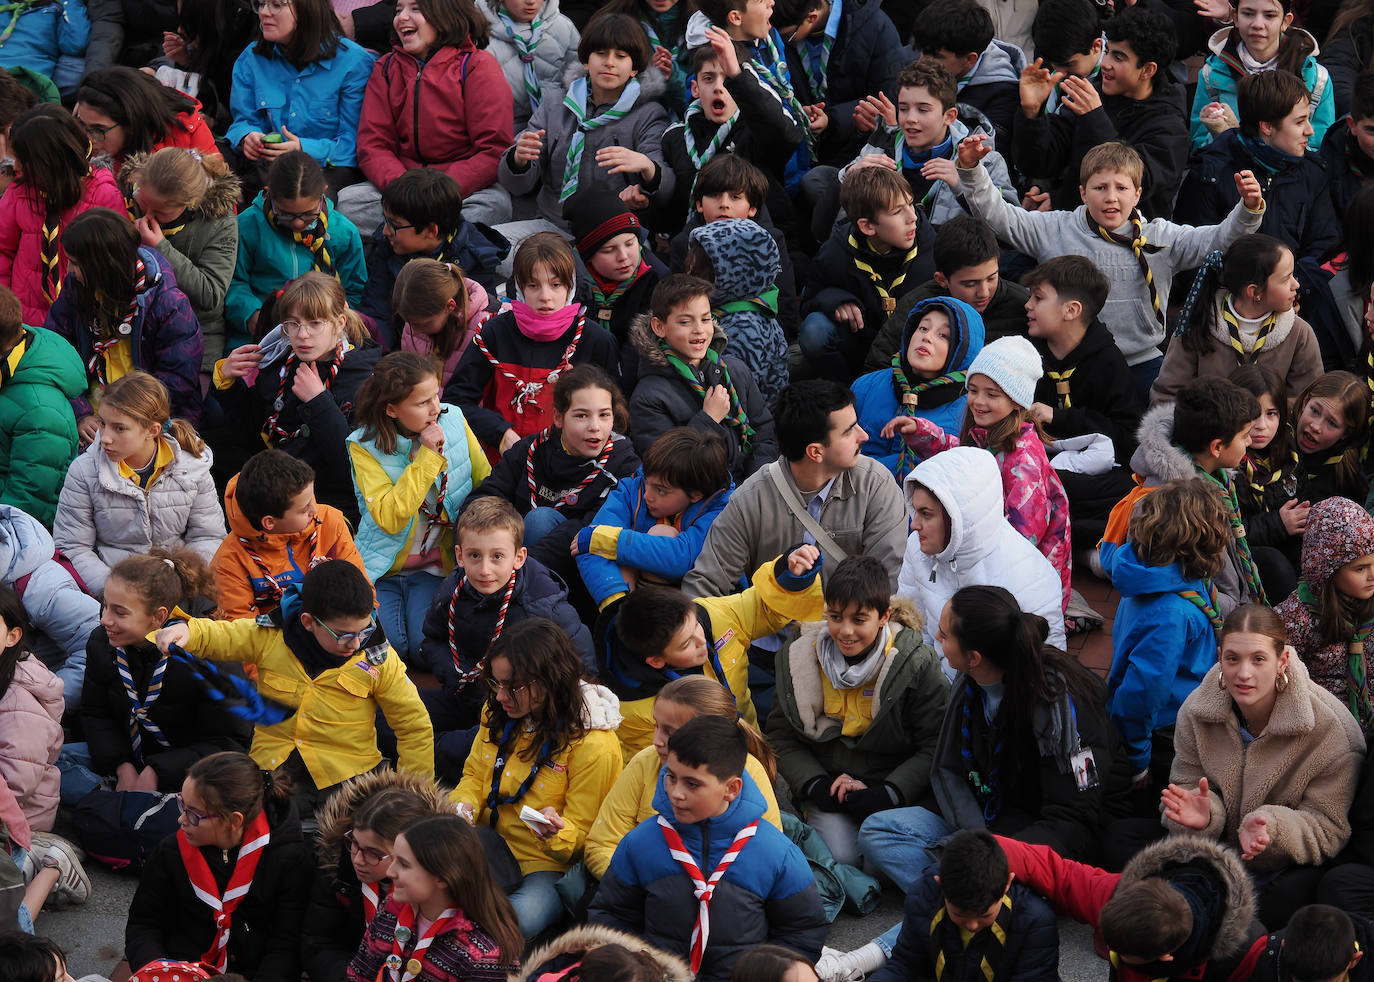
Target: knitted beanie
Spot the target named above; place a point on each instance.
(597, 216)
(1014, 364)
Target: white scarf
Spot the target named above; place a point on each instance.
(1251, 64)
(846, 675)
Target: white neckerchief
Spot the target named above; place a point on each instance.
(1251, 64)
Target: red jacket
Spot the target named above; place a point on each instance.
(190, 132)
(465, 103)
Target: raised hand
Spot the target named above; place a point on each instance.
(1191, 809)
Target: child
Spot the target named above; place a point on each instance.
(276, 531)
(708, 809)
(414, 462)
(1331, 429)
(31, 709)
(1320, 942)
(1329, 615)
(441, 881)
(145, 482)
(52, 155)
(958, 35)
(621, 272)
(440, 310)
(1068, 39)
(122, 311)
(740, 259)
(502, 380)
(657, 634)
(862, 270)
(238, 829)
(607, 129)
(653, 524)
(29, 958)
(536, 46)
(1001, 391)
(686, 379)
(1273, 506)
(1262, 38)
(302, 379)
(773, 963)
(186, 204)
(1110, 230)
(128, 112)
(1347, 151)
(38, 436)
(856, 711)
(321, 653)
(290, 229)
(422, 218)
(537, 699)
(595, 952)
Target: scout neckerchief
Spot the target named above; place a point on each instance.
(1357, 690)
(10, 363)
(1207, 604)
(270, 430)
(1259, 476)
(595, 468)
(815, 53)
(271, 593)
(1139, 247)
(1232, 322)
(700, 158)
(1063, 397)
(1247, 561)
(465, 676)
(886, 293)
(372, 899)
(255, 839)
(504, 752)
(605, 300)
(15, 9)
(139, 721)
(986, 947)
(910, 162)
(986, 788)
(525, 47)
(399, 968)
(701, 886)
(576, 103)
(103, 339)
(48, 255)
(528, 392)
(908, 400)
(771, 67)
(313, 238)
(735, 418)
(765, 305)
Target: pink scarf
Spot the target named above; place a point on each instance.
(544, 327)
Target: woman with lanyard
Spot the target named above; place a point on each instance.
(544, 760)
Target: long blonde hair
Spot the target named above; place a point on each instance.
(707, 697)
(144, 398)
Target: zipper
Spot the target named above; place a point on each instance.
(419, 70)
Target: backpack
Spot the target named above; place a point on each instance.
(121, 828)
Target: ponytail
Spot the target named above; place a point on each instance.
(423, 289)
(166, 577)
(759, 748)
(144, 398)
(185, 435)
(707, 697)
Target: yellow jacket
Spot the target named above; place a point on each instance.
(334, 726)
(575, 784)
(631, 801)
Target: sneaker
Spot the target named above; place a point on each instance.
(849, 966)
(73, 885)
(42, 840)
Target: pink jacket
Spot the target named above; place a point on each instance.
(30, 740)
(21, 233)
(1036, 504)
(477, 313)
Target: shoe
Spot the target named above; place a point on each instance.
(73, 885)
(850, 966)
(42, 840)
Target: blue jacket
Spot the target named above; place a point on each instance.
(319, 103)
(621, 528)
(44, 32)
(767, 896)
(1162, 646)
(875, 394)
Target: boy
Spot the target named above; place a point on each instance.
(1319, 944)
(277, 531)
(1136, 104)
(1069, 41)
(966, 257)
(653, 524)
(1348, 151)
(1139, 257)
(958, 35)
(620, 273)
(323, 655)
(862, 270)
(1087, 386)
(422, 218)
(709, 830)
(685, 379)
(656, 634)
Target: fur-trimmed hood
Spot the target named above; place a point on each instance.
(335, 817)
(567, 950)
(1157, 459)
(646, 344)
(220, 200)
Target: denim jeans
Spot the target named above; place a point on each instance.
(1145, 374)
(403, 601)
(832, 349)
(540, 521)
(895, 841)
(74, 763)
(536, 902)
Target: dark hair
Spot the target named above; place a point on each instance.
(11, 308)
(674, 290)
(932, 76)
(549, 249)
(1145, 918)
(711, 742)
(701, 57)
(1248, 261)
(616, 963)
(765, 963)
(29, 957)
(609, 31)
(790, 13)
(648, 618)
(1352, 395)
(541, 655)
(1260, 380)
(861, 582)
(1317, 944)
(316, 37)
(165, 577)
(1362, 98)
(231, 781)
(973, 870)
(1268, 97)
(1149, 33)
(960, 27)
(217, 33)
(15, 100)
(269, 481)
(54, 154)
(1359, 244)
(12, 611)
(295, 175)
(147, 110)
(426, 196)
(964, 241)
(590, 376)
(1073, 278)
(1063, 29)
(395, 377)
(388, 812)
(455, 22)
(689, 459)
(802, 414)
(870, 191)
(104, 243)
(730, 172)
(423, 289)
(718, 11)
(336, 588)
(1211, 408)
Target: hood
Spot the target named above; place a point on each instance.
(1283, 323)
(1166, 99)
(1338, 531)
(744, 257)
(749, 806)
(694, 35)
(1131, 577)
(601, 707)
(50, 360)
(1000, 61)
(1157, 459)
(652, 85)
(335, 816)
(1217, 43)
(547, 13)
(968, 484)
(550, 961)
(650, 352)
(221, 199)
(24, 544)
(971, 120)
(966, 327)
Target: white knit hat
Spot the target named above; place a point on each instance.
(1014, 364)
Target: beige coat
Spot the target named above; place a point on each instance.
(1300, 773)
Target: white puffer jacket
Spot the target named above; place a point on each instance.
(103, 517)
(983, 548)
(555, 55)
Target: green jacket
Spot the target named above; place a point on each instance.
(37, 426)
(908, 705)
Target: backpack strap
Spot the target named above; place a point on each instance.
(22, 584)
(823, 540)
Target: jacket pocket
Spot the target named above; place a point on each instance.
(354, 685)
(279, 687)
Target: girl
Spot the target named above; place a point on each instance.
(596, 953)
(541, 719)
(1272, 503)
(289, 230)
(536, 47)
(414, 462)
(186, 202)
(502, 381)
(1001, 390)
(665, 21)
(772, 963)
(146, 718)
(31, 709)
(302, 379)
(299, 88)
(1331, 613)
(229, 889)
(126, 111)
(123, 312)
(144, 483)
(446, 920)
(358, 829)
(1265, 761)
(1331, 430)
(1240, 311)
(442, 310)
(55, 183)
(1263, 37)
(198, 56)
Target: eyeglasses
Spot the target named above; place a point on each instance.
(496, 685)
(192, 816)
(351, 636)
(96, 133)
(393, 227)
(370, 856)
(275, 6)
(299, 329)
(298, 216)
